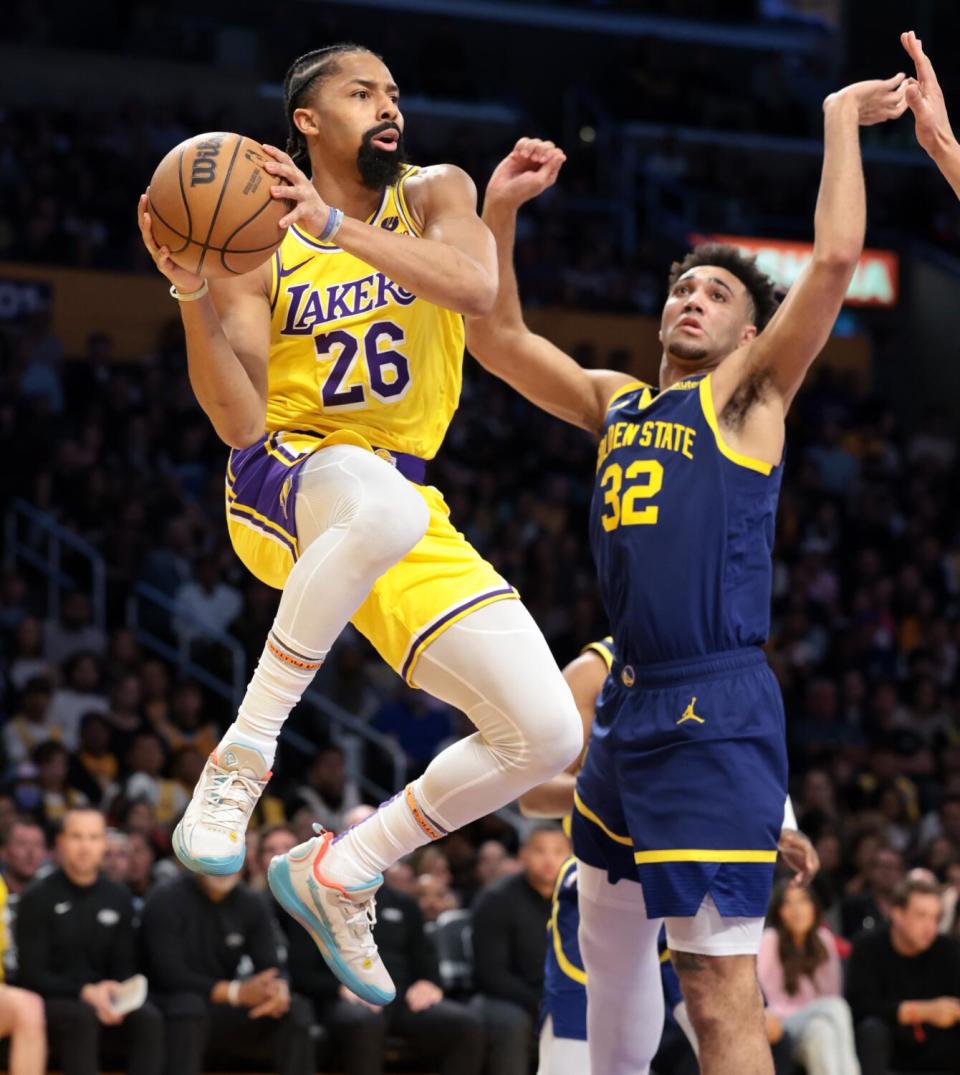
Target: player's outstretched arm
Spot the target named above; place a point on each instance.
(925, 100)
(500, 341)
(798, 331)
(554, 798)
(228, 339)
(454, 265)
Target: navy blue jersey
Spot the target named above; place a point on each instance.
(681, 528)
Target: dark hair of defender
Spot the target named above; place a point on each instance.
(760, 288)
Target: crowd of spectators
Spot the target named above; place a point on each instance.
(865, 642)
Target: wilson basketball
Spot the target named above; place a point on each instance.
(210, 203)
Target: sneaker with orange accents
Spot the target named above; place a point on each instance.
(339, 919)
(211, 836)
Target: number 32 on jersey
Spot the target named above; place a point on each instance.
(387, 369)
(624, 488)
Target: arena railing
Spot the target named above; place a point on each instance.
(153, 616)
(37, 538)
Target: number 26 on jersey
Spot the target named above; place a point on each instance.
(387, 371)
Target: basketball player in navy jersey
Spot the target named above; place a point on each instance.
(680, 799)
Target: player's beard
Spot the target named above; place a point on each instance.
(379, 168)
(689, 352)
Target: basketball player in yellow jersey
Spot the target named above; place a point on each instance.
(333, 372)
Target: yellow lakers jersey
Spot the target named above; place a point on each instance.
(352, 349)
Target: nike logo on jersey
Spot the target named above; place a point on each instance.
(62, 908)
(289, 272)
(689, 714)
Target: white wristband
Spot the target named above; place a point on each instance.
(190, 296)
(233, 993)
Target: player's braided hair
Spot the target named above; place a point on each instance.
(301, 75)
(761, 289)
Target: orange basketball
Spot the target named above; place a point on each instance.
(210, 203)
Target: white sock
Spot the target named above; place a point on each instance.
(356, 517)
(496, 667)
(282, 674)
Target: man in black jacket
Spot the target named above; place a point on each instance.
(196, 930)
(428, 1023)
(75, 940)
(903, 984)
(510, 944)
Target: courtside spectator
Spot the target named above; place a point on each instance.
(510, 944)
(196, 931)
(75, 938)
(23, 854)
(903, 984)
(799, 972)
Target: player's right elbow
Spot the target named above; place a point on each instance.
(239, 437)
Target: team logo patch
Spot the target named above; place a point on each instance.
(389, 223)
(628, 677)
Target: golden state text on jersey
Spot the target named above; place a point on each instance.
(351, 348)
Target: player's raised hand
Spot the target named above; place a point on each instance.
(925, 98)
(531, 167)
(183, 281)
(877, 99)
(310, 211)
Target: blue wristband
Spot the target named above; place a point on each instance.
(334, 221)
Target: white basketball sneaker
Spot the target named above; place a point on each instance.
(339, 919)
(211, 836)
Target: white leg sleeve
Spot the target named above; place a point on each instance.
(496, 667)
(356, 517)
(624, 990)
(561, 1056)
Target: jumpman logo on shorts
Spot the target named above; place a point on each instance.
(689, 714)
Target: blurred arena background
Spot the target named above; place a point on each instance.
(129, 627)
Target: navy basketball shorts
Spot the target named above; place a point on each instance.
(684, 783)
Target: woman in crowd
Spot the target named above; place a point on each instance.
(799, 972)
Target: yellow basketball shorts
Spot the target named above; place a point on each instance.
(441, 580)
